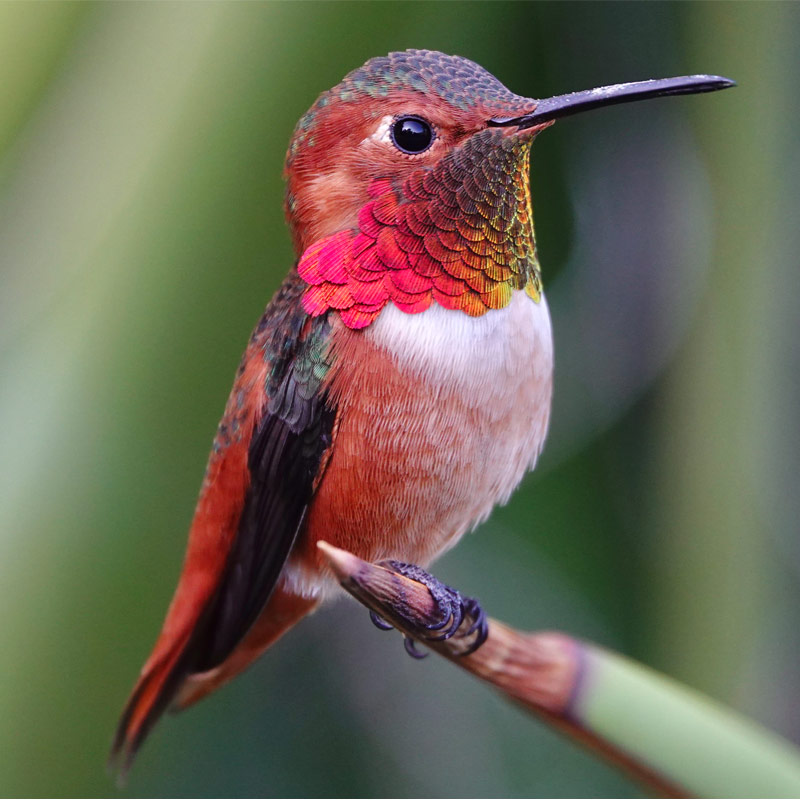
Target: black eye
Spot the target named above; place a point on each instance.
(411, 134)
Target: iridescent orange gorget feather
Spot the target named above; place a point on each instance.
(459, 234)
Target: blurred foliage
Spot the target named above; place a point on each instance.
(141, 233)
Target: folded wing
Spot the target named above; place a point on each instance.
(270, 449)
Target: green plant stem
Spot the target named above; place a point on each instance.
(673, 740)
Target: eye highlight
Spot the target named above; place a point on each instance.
(411, 135)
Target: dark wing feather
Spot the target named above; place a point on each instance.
(294, 422)
(284, 460)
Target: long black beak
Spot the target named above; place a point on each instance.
(565, 104)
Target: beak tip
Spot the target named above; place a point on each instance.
(714, 82)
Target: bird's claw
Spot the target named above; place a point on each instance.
(411, 648)
(480, 624)
(379, 622)
(453, 606)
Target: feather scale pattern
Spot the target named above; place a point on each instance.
(459, 234)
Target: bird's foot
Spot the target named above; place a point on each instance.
(454, 609)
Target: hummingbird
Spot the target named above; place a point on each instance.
(398, 385)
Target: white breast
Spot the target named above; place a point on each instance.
(483, 355)
(501, 366)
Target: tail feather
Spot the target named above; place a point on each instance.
(170, 680)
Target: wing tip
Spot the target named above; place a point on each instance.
(128, 738)
(150, 698)
(124, 748)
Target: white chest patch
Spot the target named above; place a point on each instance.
(477, 353)
(491, 378)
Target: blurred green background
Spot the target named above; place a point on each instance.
(141, 234)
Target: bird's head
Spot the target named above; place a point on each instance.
(395, 115)
(423, 158)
